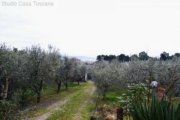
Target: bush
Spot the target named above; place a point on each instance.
(135, 93)
(7, 110)
(21, 97)
(156, 110)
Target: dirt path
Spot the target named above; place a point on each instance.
(57, 105)
(50, 109)
(78, 115)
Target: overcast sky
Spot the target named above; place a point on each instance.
(92, 27)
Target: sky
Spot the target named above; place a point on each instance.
(92, 27)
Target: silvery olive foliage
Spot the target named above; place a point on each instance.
(108, 75)
(26, 72)
(169, 75)
(100, 76)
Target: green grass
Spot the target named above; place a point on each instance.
(111, 96)
(127, 118)
(87, 110)
(36, 112)
(65, 113)
(49, 93)
(78, 105)
(111, 102)
(52, 89)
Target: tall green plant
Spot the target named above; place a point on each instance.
(7, 110)
(156, 110)
(134, 94)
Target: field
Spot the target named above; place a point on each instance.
(37, 84)
(75, 103)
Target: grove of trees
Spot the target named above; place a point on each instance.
(24, 73)
(118, 75)
(141, 56)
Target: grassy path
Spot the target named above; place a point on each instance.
(78, 107)
(73, 104)
(49, 110)
(86, 104)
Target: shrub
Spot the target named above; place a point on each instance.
(135, 93)
(21, 97)
(156, 110)
(7, 110)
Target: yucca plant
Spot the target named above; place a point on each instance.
(156, 110)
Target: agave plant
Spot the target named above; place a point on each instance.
(156, 110)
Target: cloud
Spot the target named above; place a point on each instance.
(89, 28)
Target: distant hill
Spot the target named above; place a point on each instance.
(84, 58)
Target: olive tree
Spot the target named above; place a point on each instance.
(55, 66)
(169, 75)
(37, 70)
(78, 71)
(64, 72)
(106, 76)
(100, 76)
(8, 70)
(135, 72)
